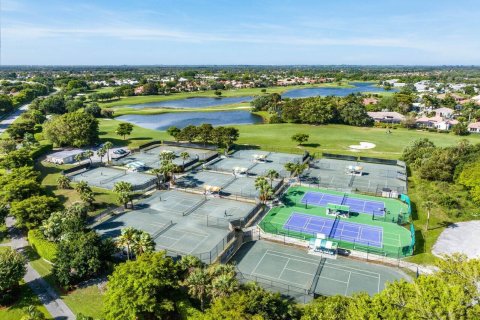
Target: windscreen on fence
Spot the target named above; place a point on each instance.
(378, 160)
(339, 156)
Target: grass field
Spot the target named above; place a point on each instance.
(120, 111)
(328, 138)
(49, 175)
(211, 94)
(395, 237)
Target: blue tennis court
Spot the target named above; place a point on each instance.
(321, 199)
(336, 228)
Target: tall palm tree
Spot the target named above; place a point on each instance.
(168, 169)
(264, 189)
(63, 182)
(159, 173)
(108, 145)
(88, 154)
(198, 282)
(126, 239)
(143, 242)
(272, 175)
(101, 153)
(189, 263)
(428, 205)
(184, 155)
(124, 191)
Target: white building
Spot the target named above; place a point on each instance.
(64, 156)
(474, 127)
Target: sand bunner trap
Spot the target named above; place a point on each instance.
(460, 237)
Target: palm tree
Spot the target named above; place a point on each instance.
(158, 172)
(168, 169)
(124, 191)
(63, 182)
(126, 239)
(167, 156)
(198, 282)
(428, 205)
(32, 313)
(272, 175)
(189, 263)
(184, 155)
(108, 145)
(88, 154)
(101, 153)
(264, 189)
(223, 285)
(78, 157)
(143, 242)
(295, 169)
(86, 193)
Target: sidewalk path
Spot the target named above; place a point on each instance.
(47, 295)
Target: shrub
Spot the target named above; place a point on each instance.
(41, 150)
(45, 249)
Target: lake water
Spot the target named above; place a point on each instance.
(198, 102)
(341, 92)
(183, 119)
(192, 103)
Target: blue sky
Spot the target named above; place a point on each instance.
(240, 32)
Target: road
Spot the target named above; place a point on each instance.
(47, 295)
(5, 123)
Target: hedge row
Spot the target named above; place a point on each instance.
(41, 150)
(45, 249)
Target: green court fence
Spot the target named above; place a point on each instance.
(149, 144)
(298, 293)
(206, 257)
(378, 160)
(207, 146)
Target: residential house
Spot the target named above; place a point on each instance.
(474, 127)
(367, 101)
(444, 112)
(387, 116)
(437, 122)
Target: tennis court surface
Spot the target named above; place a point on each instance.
(106, 177)
(336, 229)
(294, 272)
(321, 199)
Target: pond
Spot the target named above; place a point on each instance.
(188, 103)
(183, 119)
(325, 91)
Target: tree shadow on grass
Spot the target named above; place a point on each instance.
(419, 242)
(444, 224)
(310, 145)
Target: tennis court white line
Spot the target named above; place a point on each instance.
(336, 280)
(356, 271)
(281, 256)
(201, 242)
(293, 284)
(258, 263)
(307, 273)
(348, 283)
(295, 256)
(284, 267)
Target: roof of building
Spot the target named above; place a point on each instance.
(386, 115)
(65, 153)
(475, 125)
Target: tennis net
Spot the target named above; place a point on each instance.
(113, 178)
(162, 230)
(195, 207)
(313, 285)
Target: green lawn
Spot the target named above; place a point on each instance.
(120, 111)
(88, 300)
(211, 94)
(49, 175)
(327, 138)
(26, 298)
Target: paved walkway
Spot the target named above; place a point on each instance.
(47, 295)
(5, 123)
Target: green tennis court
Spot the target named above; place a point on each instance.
(395, 240)
(284, 268)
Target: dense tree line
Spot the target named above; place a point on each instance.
(156, 287)
(206, 133)
(315, 110)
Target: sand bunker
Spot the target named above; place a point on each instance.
(362, 146)
(462, 237)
